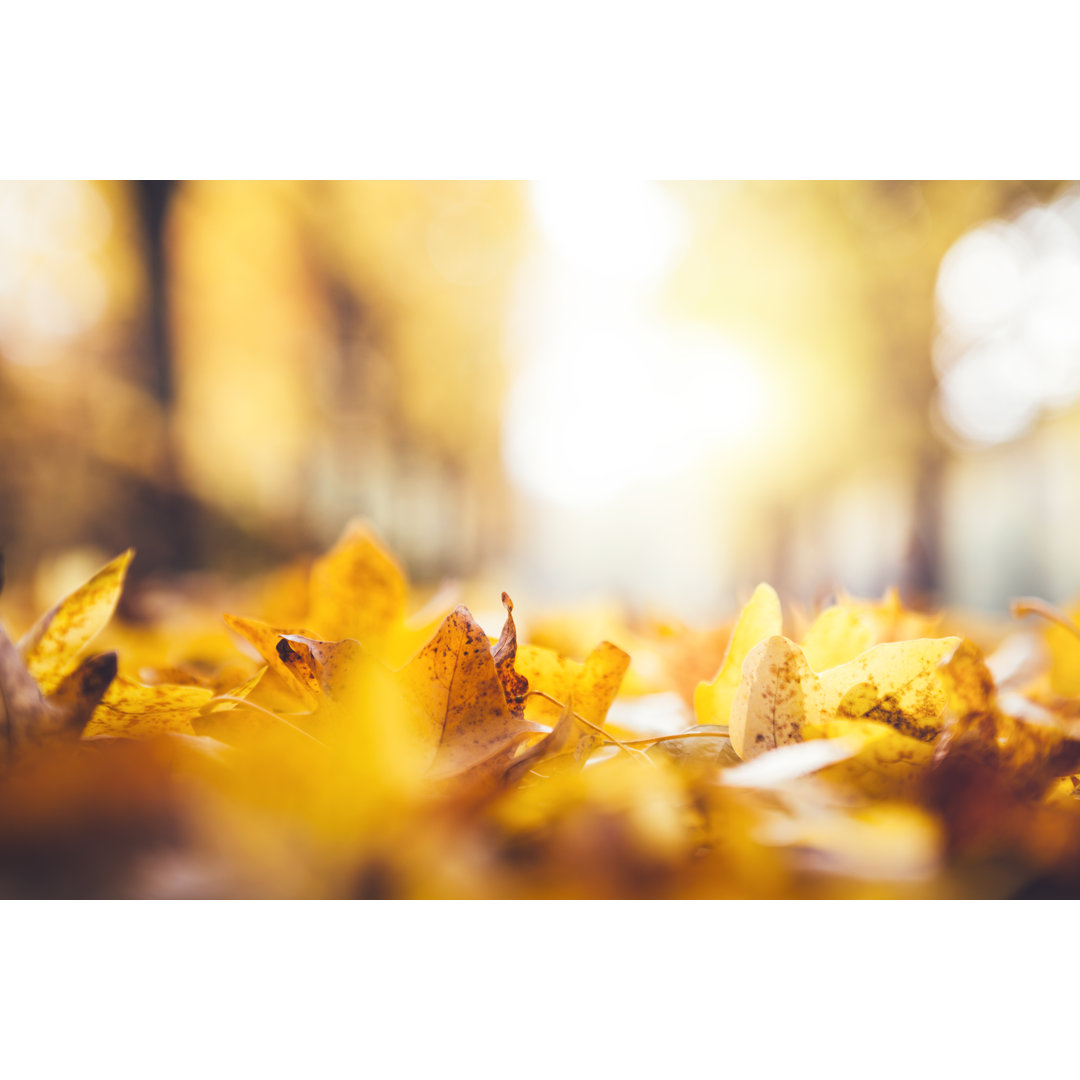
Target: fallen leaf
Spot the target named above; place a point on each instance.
(898, 684)
(28, 717)
(454, 684)
(51, 647)
(130, 709)
(265, 640)
(770, 703)
(836, 636)
(357, 590)
(515, 685)
(761, 618)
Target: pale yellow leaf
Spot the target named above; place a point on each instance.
(837, 635)
(770, 704)
(761, 618)
(898, 684)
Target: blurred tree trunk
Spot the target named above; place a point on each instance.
(154, 198)
(163, 527)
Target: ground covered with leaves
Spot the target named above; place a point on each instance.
(330, 738)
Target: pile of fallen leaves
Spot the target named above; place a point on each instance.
(343, 744)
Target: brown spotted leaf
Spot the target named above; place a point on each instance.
(325, 667)
(515, 685)
(266, 640)
(131, 709)
(770, 703)
(898, 684)
(52, 645)
(73, 702)
(454, 684)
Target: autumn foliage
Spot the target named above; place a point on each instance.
(335, 741)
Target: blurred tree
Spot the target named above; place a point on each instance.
(903, 230)
(830, 286)
(340, 353)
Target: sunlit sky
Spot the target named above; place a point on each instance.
(607, 392)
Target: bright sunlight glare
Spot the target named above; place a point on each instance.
(608, 393)
(625, 233)
(624, 404)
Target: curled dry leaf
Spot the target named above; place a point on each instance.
(265, 640)
(1027, 756)
(515, 685)
(27, 716)
(51, 647)
(466, 698)
(323, 667)
(453, 682)
(80, 693)
(44, 691)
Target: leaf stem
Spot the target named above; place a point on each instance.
(652, 740)
(1031, 605)
(266, 712)
(596, 727)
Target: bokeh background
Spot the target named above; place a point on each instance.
(657, 393)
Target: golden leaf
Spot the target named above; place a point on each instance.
(265, 639)
(357, 590)
(898, 684)
(761, 618)
(52, 645)
(454, 684)
(131, 709)
(837, 635)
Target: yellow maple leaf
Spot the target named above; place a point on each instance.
(131, 709)
(453, 681)
(357, 590)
